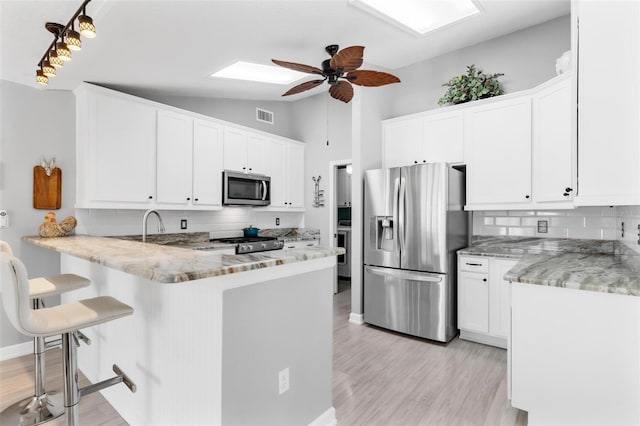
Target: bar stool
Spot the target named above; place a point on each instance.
(63, 319)
(42, 406)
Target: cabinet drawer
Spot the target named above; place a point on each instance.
(473, 264)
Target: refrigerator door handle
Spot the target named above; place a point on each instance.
(403, 275)
(402, 213)
(396, 224)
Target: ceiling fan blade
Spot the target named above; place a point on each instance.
(342, 91)
(349, 58)
(371, 78)
(298, 67)
(307, 85)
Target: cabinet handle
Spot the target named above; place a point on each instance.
(567, 189)
(415, 161)
(526, 196)
(244, 168)
(250, 169)
(473, 264)
(188, 198)
(195, 199)
(151, 197)
(424, 161)
(484, 280)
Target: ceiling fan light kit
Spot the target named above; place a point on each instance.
(340, 72)
(65, 39)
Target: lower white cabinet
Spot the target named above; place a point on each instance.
(484, 307)
(290, 245)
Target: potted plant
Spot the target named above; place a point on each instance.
(474, 85)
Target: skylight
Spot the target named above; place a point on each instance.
(258, 72)
(419, 16)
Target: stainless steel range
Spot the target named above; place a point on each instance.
(246, 245)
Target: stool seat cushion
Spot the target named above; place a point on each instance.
(77, 315)
(54, 285)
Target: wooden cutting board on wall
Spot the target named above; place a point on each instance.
(47, 190)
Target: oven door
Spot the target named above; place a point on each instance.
(244, 189)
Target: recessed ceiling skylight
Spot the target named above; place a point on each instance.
(419, 16)
(258, 72)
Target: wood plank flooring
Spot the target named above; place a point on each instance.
(379, 378)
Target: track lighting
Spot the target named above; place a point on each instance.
(65, 39)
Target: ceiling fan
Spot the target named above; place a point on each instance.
(347, 60)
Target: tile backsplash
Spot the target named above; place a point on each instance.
(224, 223)
(604, 223)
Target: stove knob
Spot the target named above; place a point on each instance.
(263, 245)
(249, 247)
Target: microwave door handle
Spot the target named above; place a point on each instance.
(264, 190)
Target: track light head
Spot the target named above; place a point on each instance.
(86, 27)
(41, 78)
(54, 60)
(48, 69)
(63, 52)
(73, 40)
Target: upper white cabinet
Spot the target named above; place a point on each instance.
(343, 194)
(207, 163)
(608, 41)
(137, 154)
(115, 152)
(174, 158)
(425, 138)
(554, 144)
(498, 152)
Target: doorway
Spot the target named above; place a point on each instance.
(340, 207)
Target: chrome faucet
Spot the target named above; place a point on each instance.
(144, 223)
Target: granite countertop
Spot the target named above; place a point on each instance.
(168, 264)
(604, 266)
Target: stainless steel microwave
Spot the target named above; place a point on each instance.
(245, 189)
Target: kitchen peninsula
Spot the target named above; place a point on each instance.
(211, 333)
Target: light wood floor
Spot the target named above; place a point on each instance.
(379, 378)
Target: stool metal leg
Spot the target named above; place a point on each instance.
(41, 407)
(70, 372)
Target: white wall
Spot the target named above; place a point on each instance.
(237, 111)
(310, 125)
(34, 123)
(527, 58)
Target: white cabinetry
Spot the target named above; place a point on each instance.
(115, 152)
(498, 152)
(289, 245)
(554, 153)
(243, 151)
(484, 307)
(174, 158)
(608, 124)
(426, 138)
(207, 163)
(134, 153)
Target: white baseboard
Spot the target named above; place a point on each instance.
(356, 318)
(14, 351)
(328, 418)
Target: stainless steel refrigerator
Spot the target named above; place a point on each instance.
(414, 222)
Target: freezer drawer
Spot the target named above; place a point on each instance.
(416, 303)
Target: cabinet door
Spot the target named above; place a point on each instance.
(207, 163)
(498, 152)
(608, 124)
(500, 298)
(256, 151)
(343, 193)
(473, 302)
(295, 175)
(235, 149)
(401, 142)
(122, 140)
(174, 158)
(553, 148)
(442, 137)
(275, 167)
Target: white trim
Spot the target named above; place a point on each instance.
(485, 339)
(328, 418)
(14, 351)
(356, 318)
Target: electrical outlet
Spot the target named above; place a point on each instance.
(183, 223)
(277, 221)
(4, 219)
(543, 226)
(283, 381)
